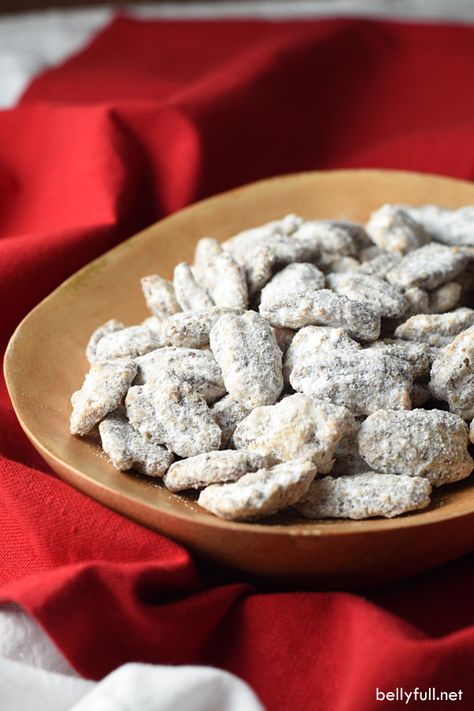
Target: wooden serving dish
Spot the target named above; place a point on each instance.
(45, 363)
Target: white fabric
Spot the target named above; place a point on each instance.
(30, 43)
(22, 640)
(24, 688)
(34, 675)
(158, 688)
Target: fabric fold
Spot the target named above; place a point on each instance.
(150, 117)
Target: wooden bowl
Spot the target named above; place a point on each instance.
(45, 363)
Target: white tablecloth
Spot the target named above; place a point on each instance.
(35, 676)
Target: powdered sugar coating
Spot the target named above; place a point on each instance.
(103, 390)
(325, 236)
(286, 226)
(206, 249)
(191, 329)
(110, 326)
(172, 413)
(444, 298)
(382, 298)
(296, 427)
(154, 324)
(362, 380)
(196, 367)
(452, 375)
(392, 228)
(249, 357)
(451, 227)
(358, 233)
(260, 493)
(262, 249)
(228, 412)
(128, 342)
(323, 308)
(225, 280)
(428, 267)
(128, 449)
(189, 294)
(311, 340)
(418, 355)
(427, 443)
(436, 329)
(323, 277)
(212, 468)
(379, 265)
(160, 296)
(330, 262)
(367, 254)
(418, 301)
(364, 495)
(258, 262)
(294, 280)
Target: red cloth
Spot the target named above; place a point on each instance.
(150, 117)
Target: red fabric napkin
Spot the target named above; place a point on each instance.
(150, 117)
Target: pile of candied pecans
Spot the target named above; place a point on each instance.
(314, 364)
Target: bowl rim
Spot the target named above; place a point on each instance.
(309, 528)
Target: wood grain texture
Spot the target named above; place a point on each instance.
(45, 363)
